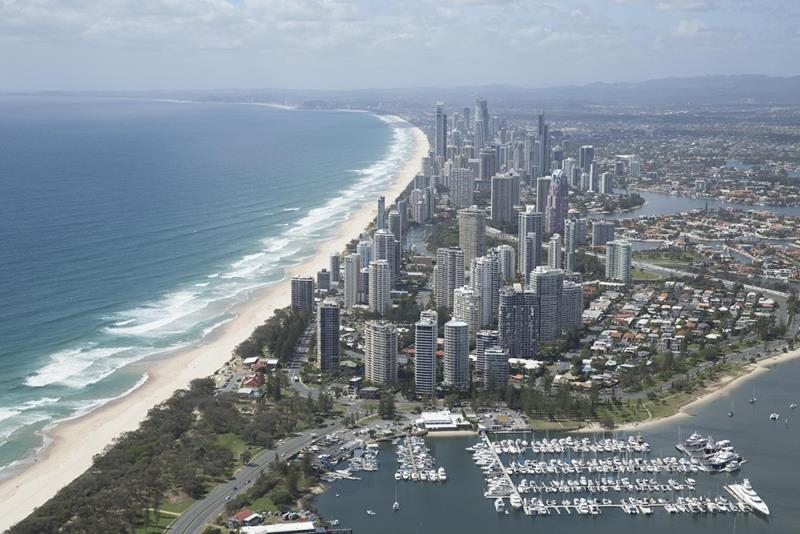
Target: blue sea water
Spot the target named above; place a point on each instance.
(131, 227)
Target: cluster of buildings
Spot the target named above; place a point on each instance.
(504, 301)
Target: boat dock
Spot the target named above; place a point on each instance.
(506, 475)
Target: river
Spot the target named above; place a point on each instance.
(459, 506)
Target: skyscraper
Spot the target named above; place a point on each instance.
(462, 185)
(380, 220)
(456, 354)
(557, 203)
(618, 261)
(324, 280)
(380, 352)
(385, 247)
(544, 147)
(467, 308)
(554, 252)
(448, 274)
(425, 336)
(484, 339)
(364, 250)
(570, 238)
(487, 166)
(481, 132)
(335, 261)
(571, 306)
(507, 262)
(517, 321)
(602, 232)
(547, 284)
(303, 293)
(531, 223)
(394, 225)
(352, 267)
(586, 157)
(472, 232)
(502, 191)
(328, 345)
(542, 191)
(607, 183)
(495, 368)
(380, 286)
(440, 139)
(485, 281)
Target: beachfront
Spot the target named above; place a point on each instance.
(73, 443)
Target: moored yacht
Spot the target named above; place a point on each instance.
(745, 493)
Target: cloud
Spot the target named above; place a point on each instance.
(672, 5)
(691, 29)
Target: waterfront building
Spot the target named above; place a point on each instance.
(364, 250)
(363, 285)
(618, 261)
(394, 225)
(602, 232)
(328, 343)
(607, 183)
(324, 280)
(448, 274)
(517, 321)
(531, 223)
(425, 344)
(380, 220)
(380, 352)
(547, 284)
(335, 266)
(380, 286)
(352, 268)
(456, 354)
(485, 281)
(495, 368)
(467, 308)
(571, 305)
(557, 203)
(472, 232)
(554, 252)
(440, 137)
(402, 209)
(542, 190)
(484, 339)
(303, 293)
(507, 261)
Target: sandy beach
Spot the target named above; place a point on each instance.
(76, 441)
(726, 384)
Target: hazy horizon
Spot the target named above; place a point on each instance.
(121, 45)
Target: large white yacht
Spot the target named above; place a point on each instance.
(747, 494)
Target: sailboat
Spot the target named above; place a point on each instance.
(396, 505)
(754, 399)
(731, 413)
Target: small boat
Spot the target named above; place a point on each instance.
(753, 399)
(731, 413)
(499, 505)
(774, 416)
(396, 505)
(793, 405)
(334, 522)
(371, 513)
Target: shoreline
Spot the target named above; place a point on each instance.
(73, 442)
(726, 384)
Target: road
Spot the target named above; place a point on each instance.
(206, 509)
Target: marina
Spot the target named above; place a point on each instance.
(670, 495)
(415, 462)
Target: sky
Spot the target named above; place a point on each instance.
(361, 44)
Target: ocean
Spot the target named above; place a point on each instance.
(131, 227)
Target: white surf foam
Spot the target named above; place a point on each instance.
(68, 363)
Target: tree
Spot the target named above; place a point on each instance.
(246, 456)
(386, 406)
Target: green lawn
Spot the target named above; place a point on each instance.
(155, 528)
(643, 276)
(233, 443)
(179, 506)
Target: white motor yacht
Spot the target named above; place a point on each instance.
(745, 493)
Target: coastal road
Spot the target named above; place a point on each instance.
(206, 509)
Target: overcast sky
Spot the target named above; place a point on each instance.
(326, 44)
